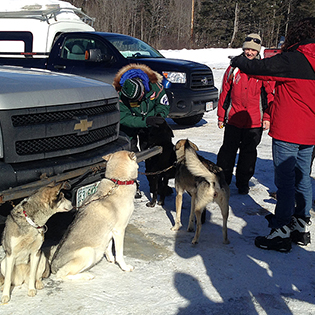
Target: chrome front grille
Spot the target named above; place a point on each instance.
(90, 109)
(65, 142)
(55, 131)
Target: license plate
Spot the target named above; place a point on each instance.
(85, 191)
(209, 106)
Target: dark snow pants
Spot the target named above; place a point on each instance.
(246, 140)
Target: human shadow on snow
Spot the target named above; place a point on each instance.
(246, 279)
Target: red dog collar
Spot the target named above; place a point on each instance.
(119, 182)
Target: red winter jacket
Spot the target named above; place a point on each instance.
(292, 114)
(245, 103)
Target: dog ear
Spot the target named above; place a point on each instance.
(107, 157)
(132, 156)
(179, 144)
(55, 190)
(194, 146)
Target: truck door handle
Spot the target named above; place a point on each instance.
(60, 67)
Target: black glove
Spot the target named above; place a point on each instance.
(154, 121)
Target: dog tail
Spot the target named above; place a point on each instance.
(195, 166)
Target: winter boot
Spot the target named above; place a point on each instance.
(278, 239)
(300, 233)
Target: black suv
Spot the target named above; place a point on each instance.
(100, 55)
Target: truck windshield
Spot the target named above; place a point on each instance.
(131, 47)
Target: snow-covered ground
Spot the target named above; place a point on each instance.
(172, 276)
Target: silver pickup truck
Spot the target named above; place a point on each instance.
(54, 127)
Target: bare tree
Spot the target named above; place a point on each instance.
(236, 19)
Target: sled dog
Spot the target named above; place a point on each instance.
(100, 221)
(205, 183)
(23, 237)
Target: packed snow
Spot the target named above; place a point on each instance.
(171, 275)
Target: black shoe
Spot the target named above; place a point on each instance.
(278, 239)
(300, 233)
(243, 190)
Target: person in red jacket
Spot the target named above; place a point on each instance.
(292, 128)
(242, 103)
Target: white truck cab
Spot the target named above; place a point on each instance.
(32, 25)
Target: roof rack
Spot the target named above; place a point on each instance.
(46, 15)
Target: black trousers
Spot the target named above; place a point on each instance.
(246, 140)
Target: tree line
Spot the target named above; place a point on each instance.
(177, 24)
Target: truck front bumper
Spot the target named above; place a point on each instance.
(186, 102)
(75, 179)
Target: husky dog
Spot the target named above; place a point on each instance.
(23, 237)
(101, 219)
(205, 183)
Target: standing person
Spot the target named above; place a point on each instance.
(292, 128)
(143, 102)
(241, 106)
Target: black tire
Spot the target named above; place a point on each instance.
(188, 121)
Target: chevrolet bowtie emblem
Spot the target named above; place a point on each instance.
(84, 125)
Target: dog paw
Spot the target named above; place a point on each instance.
(39, 285)
(226, 241)
(161, 203)
(190, 229)
(5, 299)
(31, 292)
(150, 204)
(127, 268)
(176, 227)
(194, 241)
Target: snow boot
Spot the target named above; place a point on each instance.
(300, 233)
(278, 239)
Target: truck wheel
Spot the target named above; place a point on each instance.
(192, 120)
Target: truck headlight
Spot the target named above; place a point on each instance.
(175, 77)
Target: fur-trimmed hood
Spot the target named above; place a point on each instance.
(154, 76)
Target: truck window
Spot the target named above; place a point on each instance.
(75, 48)
(16, 41)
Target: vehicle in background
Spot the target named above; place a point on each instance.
(28, 26)
(41, 36)
(269, 52)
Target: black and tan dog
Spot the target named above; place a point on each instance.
(205, 183)
(23, 237)
(161, 165)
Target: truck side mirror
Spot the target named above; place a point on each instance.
(93, 55)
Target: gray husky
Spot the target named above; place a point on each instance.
(23, 237)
